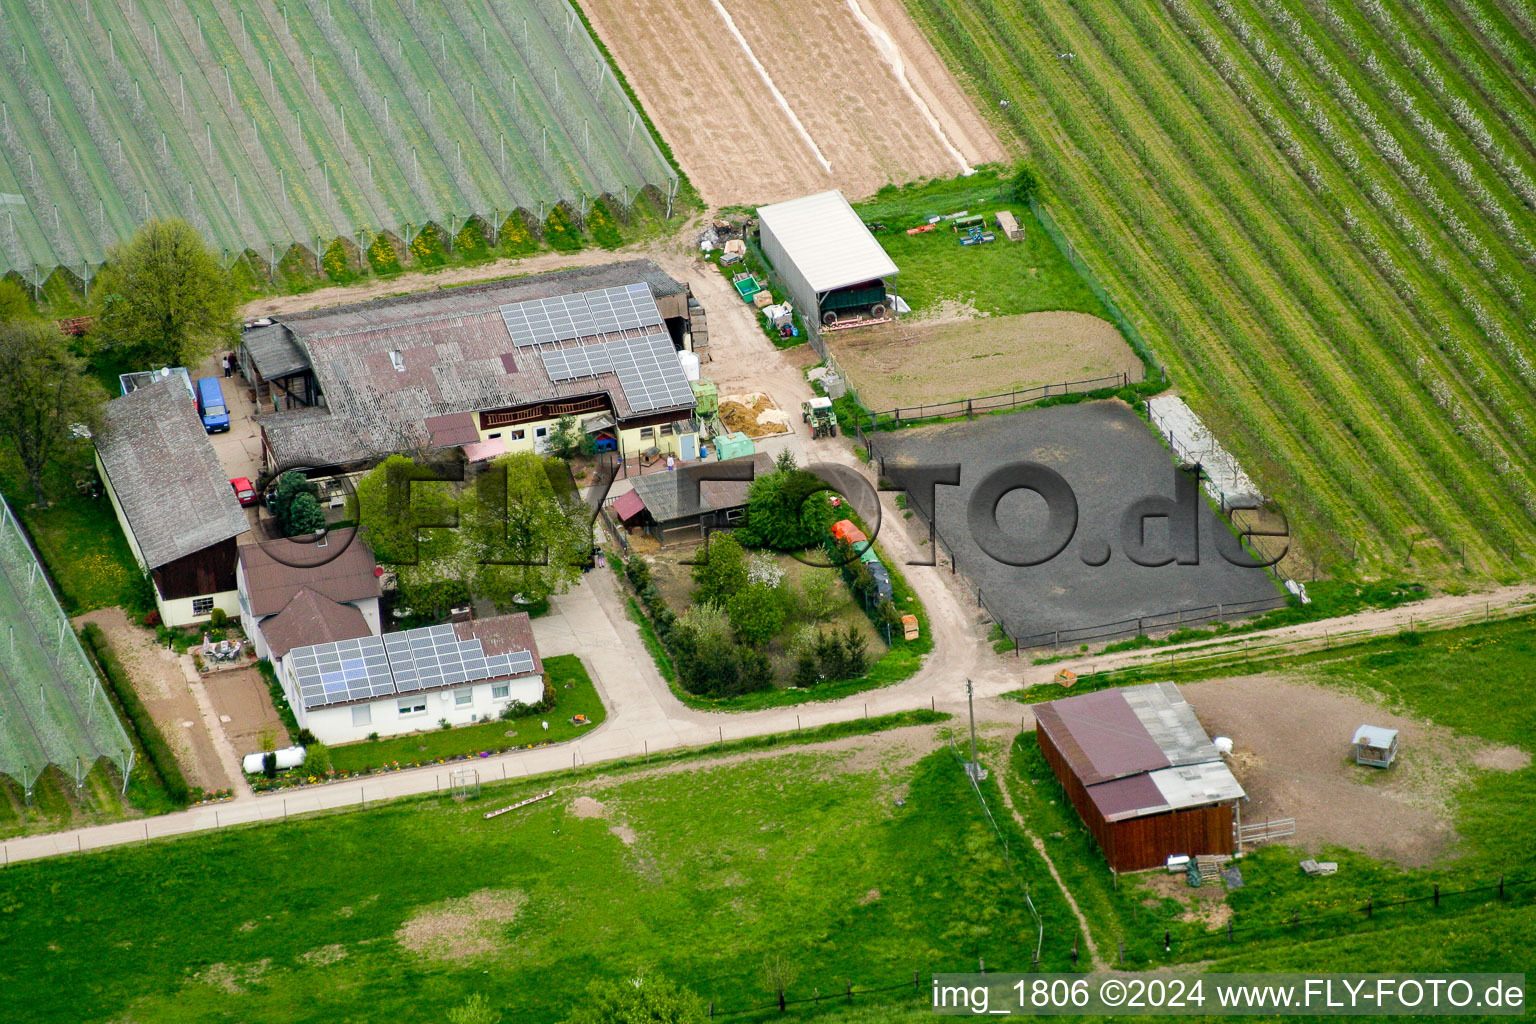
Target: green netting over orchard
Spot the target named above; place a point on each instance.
(52, 707)
(268, 124)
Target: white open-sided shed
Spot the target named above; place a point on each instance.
(825, 255)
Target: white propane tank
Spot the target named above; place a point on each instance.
(690, 363)
(288, 757)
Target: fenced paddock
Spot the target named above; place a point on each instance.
(53, 709)
(268, 125)
(1111, 460)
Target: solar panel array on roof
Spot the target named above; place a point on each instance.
(582, 315)
(428, 658)
(341, 671)
(650, 372)
(648, 369)
(570, 363)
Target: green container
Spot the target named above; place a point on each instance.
(734, 446)
(707, 397)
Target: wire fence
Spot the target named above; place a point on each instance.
(1023, 640)
(1359, 914)
(53, 709)
(970, 408)
(1117, 316)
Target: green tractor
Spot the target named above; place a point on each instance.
(818, 413)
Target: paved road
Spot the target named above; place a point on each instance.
(644, 716)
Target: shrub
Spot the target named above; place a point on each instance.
(516, 239)
(305, 738)
(1022, 187)
(217, 618)
(722, 571)
(718, 667)
(317, 760)
(159, 753)
(855, 653)
(604, 229)
(141, 598)
(469, 243)
(337, 262)
(289, 486)
(279, 699)
(560, 231)
(427, 247)
(382, 256)
(806, 673)
(757, 614)
(304, 516)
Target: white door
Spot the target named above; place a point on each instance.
(541, 440)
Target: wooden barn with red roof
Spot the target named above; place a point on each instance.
(1138, 766)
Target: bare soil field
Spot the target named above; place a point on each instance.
(862, 100)
(1292, 756)
(944, 359)
(157, 677)
(244, 705)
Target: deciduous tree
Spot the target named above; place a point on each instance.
(165, 297)
(524, 539)
(44, 392)
(648, 1000)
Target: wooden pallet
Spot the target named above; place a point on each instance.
(843, 325)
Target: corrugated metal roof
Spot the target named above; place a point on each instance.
(827, 241)
(1171, 722)
(1108, 740)
(162, 467)
(1192, 785)
(1375, 736)
(1138, 750)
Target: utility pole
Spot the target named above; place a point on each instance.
(973, 767)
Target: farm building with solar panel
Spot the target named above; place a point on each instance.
(488, 368)
(461, 672)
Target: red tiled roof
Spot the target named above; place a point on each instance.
(312, 618)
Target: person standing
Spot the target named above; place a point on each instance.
(228, 365)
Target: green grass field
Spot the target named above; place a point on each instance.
(999, 278)
(574, 694)
(269, 125)
(700, 870)
(1320, 216)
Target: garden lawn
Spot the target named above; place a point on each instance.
(699, 870)
(574, 694)
(997, 278)
(78, 537)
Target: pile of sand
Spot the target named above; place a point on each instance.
(753, 414)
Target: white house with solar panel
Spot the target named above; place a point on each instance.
(491, 369)
(461, 672)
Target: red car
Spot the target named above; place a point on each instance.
(245, 491)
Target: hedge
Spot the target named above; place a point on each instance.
(279, 698)
(150, 738)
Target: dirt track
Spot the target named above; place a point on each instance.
(929, 361)
(846, 104)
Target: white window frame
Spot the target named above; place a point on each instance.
(464, 697)
(362, 714)
(409, 708)
(501, 691)
(202, 606)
